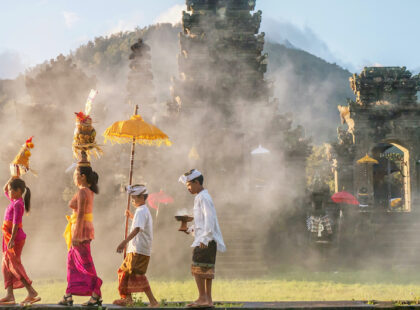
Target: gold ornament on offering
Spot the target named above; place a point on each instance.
(20, 165)
(85, 134)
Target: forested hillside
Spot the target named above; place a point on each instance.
(306, 85)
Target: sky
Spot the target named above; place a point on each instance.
(352, 34)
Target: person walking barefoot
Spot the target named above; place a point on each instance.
(132, 273)
(207, 238)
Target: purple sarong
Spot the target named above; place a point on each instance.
(81, 274)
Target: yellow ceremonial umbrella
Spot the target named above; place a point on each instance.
(367, 160)
(135, 130)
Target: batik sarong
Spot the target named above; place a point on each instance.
(12, 268)
(132, 274)
(82, 279)
(204, 261)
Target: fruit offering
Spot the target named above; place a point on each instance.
(84, 138)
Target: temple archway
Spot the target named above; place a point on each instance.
(391, 177)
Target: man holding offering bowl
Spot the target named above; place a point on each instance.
(207, 237)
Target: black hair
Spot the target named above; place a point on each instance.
(144, 195)
(200, 180)
(16, 184)
(92, 178)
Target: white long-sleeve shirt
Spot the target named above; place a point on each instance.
(206, 227)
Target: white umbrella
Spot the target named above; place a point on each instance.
(260, 150)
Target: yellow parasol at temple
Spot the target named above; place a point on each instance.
(367, 160)
(135, 130)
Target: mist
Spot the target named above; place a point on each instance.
(254, 195)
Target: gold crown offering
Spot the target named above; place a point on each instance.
(20, 165)
(84, 139)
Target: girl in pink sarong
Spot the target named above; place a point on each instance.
(82, 279)
(13, 241)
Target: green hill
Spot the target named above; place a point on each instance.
(309, 87)
(302, 82)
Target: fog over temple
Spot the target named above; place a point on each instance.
(304, 205)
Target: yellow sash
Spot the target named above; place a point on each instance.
(71, 220)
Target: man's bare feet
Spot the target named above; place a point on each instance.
(154, 304)
(199, 303)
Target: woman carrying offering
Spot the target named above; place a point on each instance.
(13, 241)
(82, 279)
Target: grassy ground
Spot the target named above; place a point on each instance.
(298, 285)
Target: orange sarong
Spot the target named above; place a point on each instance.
(12, 268)
(132, 274)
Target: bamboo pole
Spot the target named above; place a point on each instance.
(130, 181)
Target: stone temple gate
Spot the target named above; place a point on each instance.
(378, 156)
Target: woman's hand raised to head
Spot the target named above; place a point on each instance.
(6, 186)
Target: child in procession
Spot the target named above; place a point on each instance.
(138, 244)
(207, 238)
(14, 273)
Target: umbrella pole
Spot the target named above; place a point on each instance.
(130, 181)
(157, 211)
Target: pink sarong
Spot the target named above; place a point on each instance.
(82, 279)
(13, 272)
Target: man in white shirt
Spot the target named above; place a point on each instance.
(132, 273)
(207, 237)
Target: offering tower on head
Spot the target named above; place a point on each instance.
(84, 139)
(20, 165)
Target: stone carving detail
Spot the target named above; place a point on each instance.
(385, 86)
(344, 150)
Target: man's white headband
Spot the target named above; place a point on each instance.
(189, 176)
(136, 190)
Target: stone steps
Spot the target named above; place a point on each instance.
(397, 238)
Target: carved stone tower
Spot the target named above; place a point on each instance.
(221, 61)
(140, 86)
